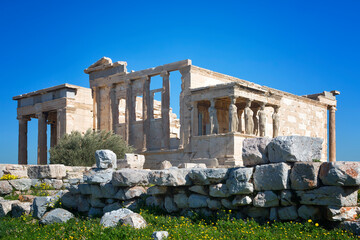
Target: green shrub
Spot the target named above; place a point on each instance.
(75, 149)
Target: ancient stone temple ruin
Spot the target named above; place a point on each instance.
(217, 112)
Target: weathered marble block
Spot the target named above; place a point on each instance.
(105, 159)
(272, 177)
(52, 171)
(304, 175)
(170, 177)
(98, 175)
(340, 173)
(294, 149)
(130, 177)
(208, 176)
(254, 151)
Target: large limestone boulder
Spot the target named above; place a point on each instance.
(5, 188)
(39, 206)
(329, 196)
(170, 177)
(52, 171)
(170, 205)
(111, 219)
(159, 235)
(219, 190)
(203, 190)
(85, 189)
(272, 177)
(165, 165)
(131, 160)
(287, 198)
(20, 208)
(336, 213)
(340, 173)
(130, 177)
(134, 192)
(57, 215)
(70, 201)
(197, 201)
(22, 184)
(239, 181)
(208, 176)
(98, 175)
(15, 169)
(134, 220)
(266, 199)
(181, 200)
(105, 159)
(294, 149)
(254, 151)
(304, 175)
(6, 206)
(157, 190)
(288, 213)
(242, 200)
(310, 212)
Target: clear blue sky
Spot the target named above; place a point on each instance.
(301, 47)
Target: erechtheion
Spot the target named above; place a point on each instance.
(217, 112)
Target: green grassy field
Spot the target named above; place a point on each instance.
(223, 227)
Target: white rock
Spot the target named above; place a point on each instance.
(111, 219)
(57, 215)
(159, 235)
(105, 159)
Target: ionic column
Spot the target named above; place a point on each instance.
(130, 116)
(53, 134)
(114, 109)
(42, 139)
(332, 135)
(233, 117)
(146, 112)
(194, 119)
(214, 125)
(94, 95)
(23, 128)
(165, 110)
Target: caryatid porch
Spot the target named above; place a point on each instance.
(229, 113)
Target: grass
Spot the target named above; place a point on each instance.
(196, 227)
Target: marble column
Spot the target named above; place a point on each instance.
(94, 95)
(60, 122)
(233, 117)
(165, 110)
(130, 116)
(23, 129)
(146, 112)
(214, 124)
(53, 134)
(114, 109)
(42, 139)
(332, 134)
(194, 119)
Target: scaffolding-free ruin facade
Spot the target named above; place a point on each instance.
(217, 112)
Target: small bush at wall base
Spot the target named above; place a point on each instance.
(75, 149)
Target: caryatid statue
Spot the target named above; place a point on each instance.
(214, 125)
(262, 120)
(249, 121)
(233, 115)
(256, 121)
(276, 121)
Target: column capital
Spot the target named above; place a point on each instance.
(332, 108)
(233, 99)
(164, 74)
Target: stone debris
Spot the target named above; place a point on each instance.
(57, 215)
(159, 235)
(105, 159)
(254, 151)
(294, 149)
